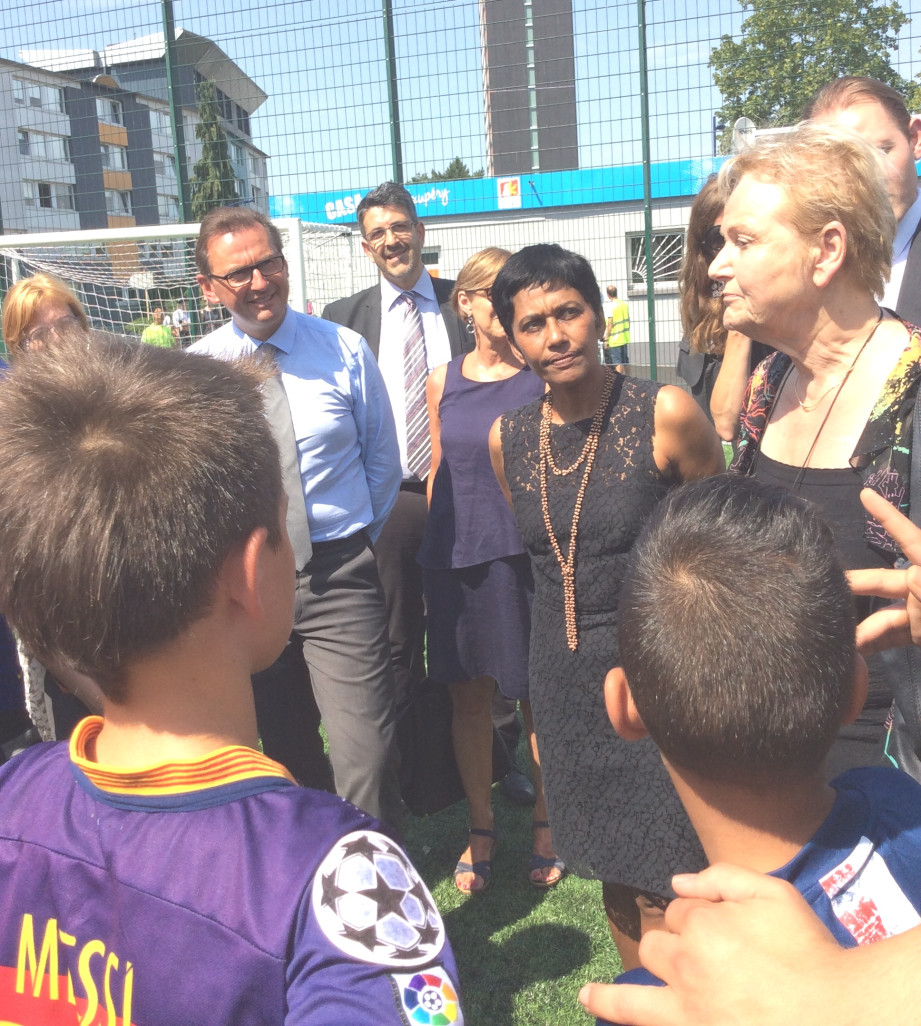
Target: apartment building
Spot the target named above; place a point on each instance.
(86, 139)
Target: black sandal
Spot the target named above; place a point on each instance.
(539, 862)
(481, 868)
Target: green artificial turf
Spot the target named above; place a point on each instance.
(522, 953)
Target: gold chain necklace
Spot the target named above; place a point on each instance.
(808, 406)
(587, 457)
(841, 384)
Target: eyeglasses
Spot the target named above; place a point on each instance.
(46, 332)
(399, 230)
(242, 276)
(712, 241)
(480, 292)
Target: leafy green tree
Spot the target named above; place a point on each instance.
(456, 169)
(789, 49)
(213, 181)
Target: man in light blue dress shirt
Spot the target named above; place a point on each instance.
(350, 475)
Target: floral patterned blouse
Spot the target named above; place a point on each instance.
(883, 453)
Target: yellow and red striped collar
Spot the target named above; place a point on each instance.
(229, 765)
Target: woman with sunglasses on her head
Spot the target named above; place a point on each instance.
(582, 467)
(715, 363)
(476, 572)
(37, 309)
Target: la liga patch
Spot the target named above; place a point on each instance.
(429, 998)
(370, 903)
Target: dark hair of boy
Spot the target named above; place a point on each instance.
(546, 266)
(226, 221)
(387, 194)
(736, 632)
(129, 472)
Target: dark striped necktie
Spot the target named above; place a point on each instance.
(415, 372)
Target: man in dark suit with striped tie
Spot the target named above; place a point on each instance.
(389, 315)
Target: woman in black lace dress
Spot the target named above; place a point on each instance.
(582, 468)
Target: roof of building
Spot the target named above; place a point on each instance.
(203, 54)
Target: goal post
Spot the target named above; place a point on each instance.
(121, 275)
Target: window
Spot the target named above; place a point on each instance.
(109, 110)
(168, 209)
(31, 94)
(118, 203)
(667, 250)
(43, 146)
(164, 165)
(48, 195)
(225, 104)
(114, 158)
(236, 152)
(242, 119)
(159, 121)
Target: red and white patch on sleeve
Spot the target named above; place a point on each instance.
(865, 898)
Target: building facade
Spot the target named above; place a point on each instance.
(86, 139)
(529, 86)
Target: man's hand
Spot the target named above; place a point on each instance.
(739, 948)
(899, 624)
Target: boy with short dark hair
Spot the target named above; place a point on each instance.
(739, 660)
(160, 869)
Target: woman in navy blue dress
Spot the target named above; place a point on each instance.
(476, 570)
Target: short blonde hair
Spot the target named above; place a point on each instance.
(24, 299)
(828, 174)
(479, 273)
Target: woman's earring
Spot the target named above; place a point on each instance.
(471, 327)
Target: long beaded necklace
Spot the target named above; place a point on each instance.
(586, 457)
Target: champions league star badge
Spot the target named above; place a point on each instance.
(429, 998)
(371, 903)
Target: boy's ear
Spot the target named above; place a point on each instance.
(243, 572)
(621, 709)
(859, 685)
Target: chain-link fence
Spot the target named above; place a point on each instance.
(582, 122)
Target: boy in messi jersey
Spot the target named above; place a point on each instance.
(739, 660)
(159, 869)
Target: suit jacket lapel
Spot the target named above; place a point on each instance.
(908, 306)
(458, 338)
(370, 319)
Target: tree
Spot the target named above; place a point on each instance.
(456, 169)
(213, 181)
(789, 49)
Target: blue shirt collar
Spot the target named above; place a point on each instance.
(283, 338)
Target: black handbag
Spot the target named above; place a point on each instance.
(429, 780)
(903, 665)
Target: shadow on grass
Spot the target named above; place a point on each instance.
(522, 953)
(499, 977)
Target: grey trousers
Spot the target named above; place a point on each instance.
(340, 627)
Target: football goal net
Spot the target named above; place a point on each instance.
(121, 275)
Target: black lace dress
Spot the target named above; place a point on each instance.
(614, 812)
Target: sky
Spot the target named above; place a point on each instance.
(325, 125)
